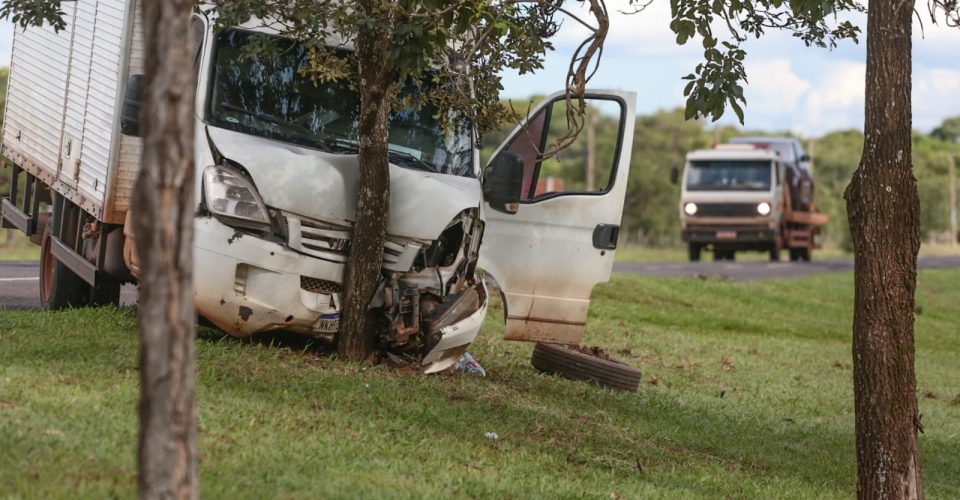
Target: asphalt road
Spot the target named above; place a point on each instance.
(19, 280)
(762, 270)
(20, 286)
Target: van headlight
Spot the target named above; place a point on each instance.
(230, 195)
(690, 209)
(763, 208)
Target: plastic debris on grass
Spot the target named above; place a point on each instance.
(469, 365)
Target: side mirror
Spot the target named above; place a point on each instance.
(130, 112)
(503, 182)
(805, 159)
(674, 174)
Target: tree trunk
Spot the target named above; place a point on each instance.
(163, 228)
(373, 191)
(883, 210)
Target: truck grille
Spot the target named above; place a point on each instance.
(331, 242)
(317, 285)
(726, 210)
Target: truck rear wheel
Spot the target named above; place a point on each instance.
(693, 251)
(60, 288)
(106, 293)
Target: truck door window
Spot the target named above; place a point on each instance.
(587, 164)
(570, 170)
(527, 144)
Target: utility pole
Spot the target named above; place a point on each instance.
(953, 198)
(591, 157)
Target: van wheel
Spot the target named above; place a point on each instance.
(577, 365)
(693, 251)
(60, 288)
(774, 253)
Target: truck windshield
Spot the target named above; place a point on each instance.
(270, 96)
(729, 175)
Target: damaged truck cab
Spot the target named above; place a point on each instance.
(277, 173)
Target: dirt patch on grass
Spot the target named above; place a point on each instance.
(595, 351)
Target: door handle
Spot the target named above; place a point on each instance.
(605, 236)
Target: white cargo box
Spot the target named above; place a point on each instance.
(62, 121)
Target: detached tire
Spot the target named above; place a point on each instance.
(575, 365)
(60, 288)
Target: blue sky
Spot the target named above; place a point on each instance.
(791, 87)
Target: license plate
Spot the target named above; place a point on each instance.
(328, 323)
(726, 235)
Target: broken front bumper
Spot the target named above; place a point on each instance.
(247, 285)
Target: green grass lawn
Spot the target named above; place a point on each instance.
(747, 393)
(18, 247)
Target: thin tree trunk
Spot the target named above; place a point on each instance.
(163, 227)
(591, 151)
(883, 209)
(373, 192)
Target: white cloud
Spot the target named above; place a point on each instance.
(644, 33)
(837, 100)
(936, 96)
(774, 87)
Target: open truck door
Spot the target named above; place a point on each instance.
(549, 250)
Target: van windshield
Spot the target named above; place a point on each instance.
(270, 97)
(729, 175)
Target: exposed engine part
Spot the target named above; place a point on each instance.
(439, 290)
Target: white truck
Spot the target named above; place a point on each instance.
(748, 197)
(276, 170)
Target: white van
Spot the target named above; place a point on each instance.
(276, 170)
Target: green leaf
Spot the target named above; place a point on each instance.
(691, 109)
(737, 109)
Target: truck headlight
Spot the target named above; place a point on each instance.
(690, 209)
(763, 208)
(230, 195)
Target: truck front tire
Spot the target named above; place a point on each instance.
(800, 254)
(693, 251)
(60, 288)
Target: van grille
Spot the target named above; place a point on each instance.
(726, 210)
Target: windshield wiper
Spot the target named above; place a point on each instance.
(412, 161)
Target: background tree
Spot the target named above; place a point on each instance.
(882, 202)
(163, 227)
(420, 40)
